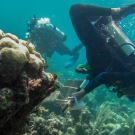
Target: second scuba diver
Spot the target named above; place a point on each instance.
(49, 39)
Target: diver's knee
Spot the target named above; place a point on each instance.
(74, 9)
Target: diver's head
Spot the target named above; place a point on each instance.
(32, 23)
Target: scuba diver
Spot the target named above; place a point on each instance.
(110, 54)
(49, 39)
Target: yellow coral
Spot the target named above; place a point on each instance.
(32, 50)
(13, 37)
(16, 49)
(12, 51)
(35, 62)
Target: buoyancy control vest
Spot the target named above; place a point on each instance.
(37, 24)
(45, 23)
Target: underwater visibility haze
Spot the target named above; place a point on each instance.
(28, 93)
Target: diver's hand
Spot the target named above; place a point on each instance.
(82, 70)
(79, 95)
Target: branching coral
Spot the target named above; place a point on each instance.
(103, 114)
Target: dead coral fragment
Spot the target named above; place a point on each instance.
(33, 83)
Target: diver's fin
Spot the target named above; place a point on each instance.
(71, 61)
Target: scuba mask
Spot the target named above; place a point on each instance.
(32, 23)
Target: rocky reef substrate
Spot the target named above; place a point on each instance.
(23, 82)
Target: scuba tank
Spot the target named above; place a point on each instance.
(45, 22)
(117, 39)
(36, 24)
(61, 35)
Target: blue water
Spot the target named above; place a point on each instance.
(16, 13)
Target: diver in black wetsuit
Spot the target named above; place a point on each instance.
(107, 66)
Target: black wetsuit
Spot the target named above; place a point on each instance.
(48, 42)
(98, 52)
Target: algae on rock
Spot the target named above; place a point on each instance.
(23, 82)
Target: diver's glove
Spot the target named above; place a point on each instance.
(83, 68)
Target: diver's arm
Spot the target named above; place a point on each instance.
(102, 78)
(89, 87)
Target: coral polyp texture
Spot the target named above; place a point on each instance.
(23, 82)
